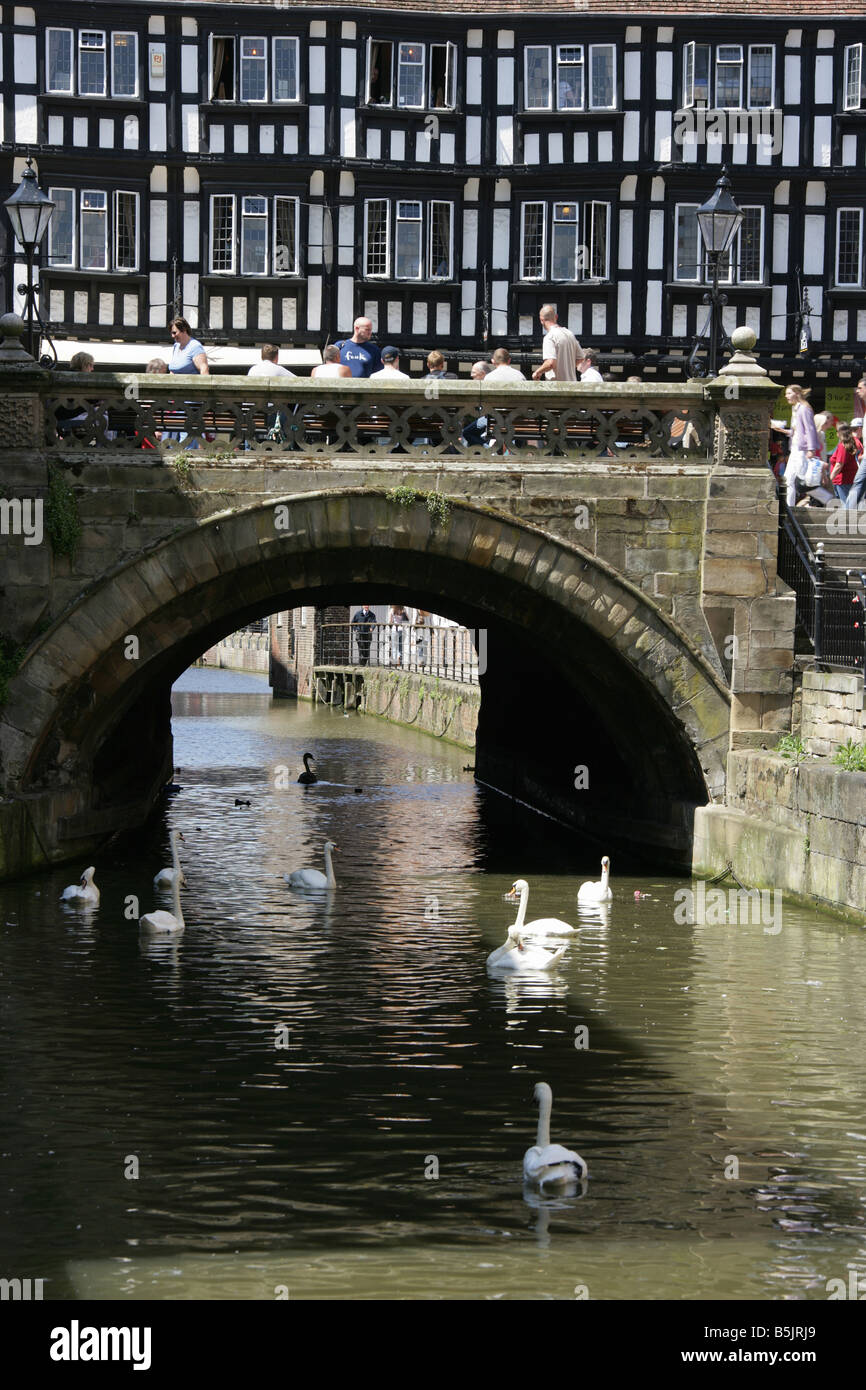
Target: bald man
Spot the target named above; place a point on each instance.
(362, 357)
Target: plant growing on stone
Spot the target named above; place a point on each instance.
(791, 746)
(437, 505)
(62, 519)
(851, 756)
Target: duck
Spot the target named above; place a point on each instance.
(238, 802)
(85, 892)
(165, 922)
(550, 1166)
(542, 926)
(599, 892)
(312, 878)
(165, 878)
(307, 778)
(515, 954)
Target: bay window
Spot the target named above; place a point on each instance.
(423, 239)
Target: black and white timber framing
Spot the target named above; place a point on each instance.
(271, 171)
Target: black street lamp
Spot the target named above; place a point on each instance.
(719, 219)
(30, 211)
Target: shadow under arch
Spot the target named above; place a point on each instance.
(80, 705)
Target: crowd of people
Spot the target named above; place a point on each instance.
(563, 357)
(813, 474)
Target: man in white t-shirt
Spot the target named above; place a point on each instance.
(560, 348)
(331, 364)
(275, 420)
(502, 369)
(390, 371)
(269, 366)
(588, 370)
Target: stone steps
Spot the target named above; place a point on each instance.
(841, 551)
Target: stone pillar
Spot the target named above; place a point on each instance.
(21, 424)
(749, 611)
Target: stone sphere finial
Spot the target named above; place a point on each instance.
(11, 352)
(743, 339)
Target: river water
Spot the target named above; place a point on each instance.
(330, 1097)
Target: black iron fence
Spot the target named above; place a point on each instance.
(830, 612)
(453, 653)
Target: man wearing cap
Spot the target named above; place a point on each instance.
(391, 370)
(362, 357)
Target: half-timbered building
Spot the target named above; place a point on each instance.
(271, 170)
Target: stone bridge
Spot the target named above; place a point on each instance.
(617, 542)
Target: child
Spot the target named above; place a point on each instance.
(843, 463)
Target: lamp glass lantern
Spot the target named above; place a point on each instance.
(720, 219)
(30, 211)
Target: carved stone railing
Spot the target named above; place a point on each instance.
(416, 419)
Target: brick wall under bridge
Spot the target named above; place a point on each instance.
(629, 589)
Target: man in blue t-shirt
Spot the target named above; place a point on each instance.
(362, 357)
(187, 355)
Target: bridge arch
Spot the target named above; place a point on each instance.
(79, 699)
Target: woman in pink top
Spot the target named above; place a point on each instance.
(804, 441)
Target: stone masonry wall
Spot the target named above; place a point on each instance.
(831, 711)
(241, 651)
(798, 828)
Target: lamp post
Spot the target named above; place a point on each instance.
(719, 219)
(30, 211)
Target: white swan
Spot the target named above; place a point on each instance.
(312, 878)
(166, 877)
(84, 892)
(160, 921)
(599, 892)
(542, 926)
(516, 955)
(550, 1165)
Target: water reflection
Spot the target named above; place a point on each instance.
(698, 1045)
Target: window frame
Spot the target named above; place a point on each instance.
(730, 276)
(82, 211)
(541, 278)
(212, 39)
(851, 48)
(754, 106)
(848, 284)
(588, 208)
(379, 43)
(291, 39)
(232, 270)
(593, 105)
(135, 267)
(728, 63)
(72, 263)
(395, 90)
(450, 76)
(60, 91)
(125, 96)
(749, 207)
(255, 217)
(296, 267)
(377, 275)
(562, 221)
(93, 49)
(532, 48)
(411, 221)
(580, 105)
(431, 276)
(690, 50)
(261, 58)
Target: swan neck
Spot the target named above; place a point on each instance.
(521, 911)
(176, 887)
(544, 1108)
(175, 858)
(605, 875)
(329, 868)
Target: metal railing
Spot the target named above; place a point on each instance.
(207, 416)
(832, 614)
(452, 653)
